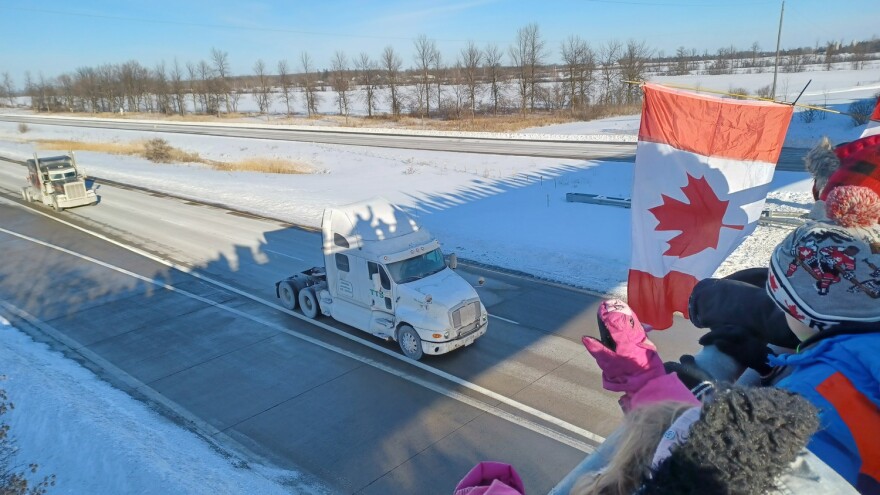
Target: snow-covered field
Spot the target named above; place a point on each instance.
(501, 210)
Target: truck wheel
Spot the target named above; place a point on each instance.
(55, 205)
(287, 294)
(410, 342)
(308, 303)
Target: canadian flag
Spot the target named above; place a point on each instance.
(703, 167)
(873, 126)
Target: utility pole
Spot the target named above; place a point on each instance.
(776, 65)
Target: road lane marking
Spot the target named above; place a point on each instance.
(282, 254)
(503, 319)
(495, 411)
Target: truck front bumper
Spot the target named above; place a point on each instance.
(89, 199)
(451, 345)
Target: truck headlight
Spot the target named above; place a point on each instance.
(446, 334)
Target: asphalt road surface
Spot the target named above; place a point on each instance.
(174, 302)
(791, 159)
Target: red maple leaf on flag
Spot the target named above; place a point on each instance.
(700, 220)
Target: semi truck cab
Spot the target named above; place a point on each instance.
(386, 275)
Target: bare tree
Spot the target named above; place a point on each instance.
(340, 82)
(192, 72)
(178, 92)
(580, 62)
(308, 84)
(468, 69)
(492, 67)
(459, 88)
(859, 55)
(829, 54)
(209, 96)
(425, 51)
(609, 53)
(285, 82)
(8, 89)
(795, 61)
(633, 66)
(262, 90)
(756, 50)
(29, 90)
(391, 65)
(681, 66)
(527, 56)
(440, 71)
(220, 59)
(368, 78)
(161, 89)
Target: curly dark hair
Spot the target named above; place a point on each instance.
(745, 438)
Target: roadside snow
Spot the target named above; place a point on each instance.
(97, 439)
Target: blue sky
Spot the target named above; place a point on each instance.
(54, 36)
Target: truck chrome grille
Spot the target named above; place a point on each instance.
(75, 190)
(466, 317)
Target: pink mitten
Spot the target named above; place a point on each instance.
(627, 358)
(491, 478)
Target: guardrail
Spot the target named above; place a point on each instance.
(768, 217)
(597, 199)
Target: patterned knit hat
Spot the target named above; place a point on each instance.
(827, 274)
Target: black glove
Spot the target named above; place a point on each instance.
(695, 378)
(716, 302)
(738, 343)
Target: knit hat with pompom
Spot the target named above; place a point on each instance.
(827, 274)
(859, 166)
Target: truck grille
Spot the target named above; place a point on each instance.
(465, 318)
(75, 190)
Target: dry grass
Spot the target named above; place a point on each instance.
(159, 151)
(265, 165)
(132, 148)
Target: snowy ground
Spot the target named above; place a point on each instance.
(505, 211)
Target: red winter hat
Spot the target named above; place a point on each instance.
(859, 165)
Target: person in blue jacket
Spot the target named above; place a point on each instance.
(824, 277)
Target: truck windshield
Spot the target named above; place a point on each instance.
(418, 267)
(62, 174)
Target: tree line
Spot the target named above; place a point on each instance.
(479, 80)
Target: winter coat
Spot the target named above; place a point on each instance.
(840, 375)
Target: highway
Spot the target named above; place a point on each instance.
(791, 159)
(173, 301)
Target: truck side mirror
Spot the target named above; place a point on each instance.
(453, 261)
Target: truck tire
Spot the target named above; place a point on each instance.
(410, 342)
(55, 205)
(287, 294)
(308, 303)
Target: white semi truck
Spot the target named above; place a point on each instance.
(386, 275)
(55, 181)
